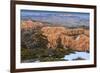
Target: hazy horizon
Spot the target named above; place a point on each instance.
(62, 18)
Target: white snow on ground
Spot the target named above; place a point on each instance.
(83, 55)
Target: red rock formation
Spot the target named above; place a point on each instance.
(74, 31)
(29, 24)
(66, 41)
(78, 39)
(52, 34)
(87, 33)
(81, 43)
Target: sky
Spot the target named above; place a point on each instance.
(54, 17)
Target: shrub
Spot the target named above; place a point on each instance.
(32, 38)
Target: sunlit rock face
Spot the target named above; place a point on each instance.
(81, 43)
(76, 39)
(66, 41)
(52, 34)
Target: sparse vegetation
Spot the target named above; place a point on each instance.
(32, 38)
(43, 54)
